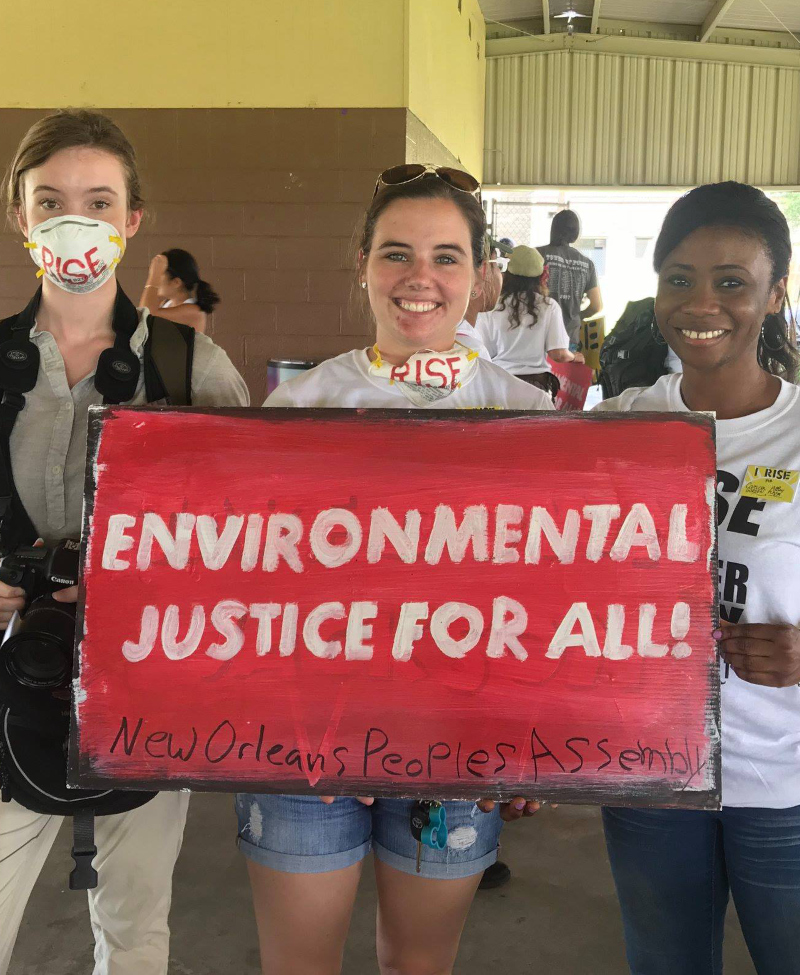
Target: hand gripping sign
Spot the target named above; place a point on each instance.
(438, 604)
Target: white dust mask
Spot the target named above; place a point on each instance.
(428, 376)
(76, 253)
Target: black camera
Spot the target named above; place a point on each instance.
(39, 655)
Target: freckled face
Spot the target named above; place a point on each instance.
(419, 274)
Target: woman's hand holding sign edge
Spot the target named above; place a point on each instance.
(366, 800)
(510, 811)
(761, 653)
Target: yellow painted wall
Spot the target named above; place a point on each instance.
(206, 54)
(415, 54)
(446, 78)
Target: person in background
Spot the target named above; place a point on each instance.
(722, 259)
(494, 266)
(526, 325)
(572, 275)
(498, 873)
(175, 290)
(421, 257)
(635, 353)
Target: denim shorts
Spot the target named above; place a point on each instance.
(301, 834)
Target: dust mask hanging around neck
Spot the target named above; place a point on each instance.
(428, 376)
(76, 253)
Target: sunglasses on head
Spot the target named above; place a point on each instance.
(408, 172)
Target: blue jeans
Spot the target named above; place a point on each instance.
(674, 871)
(301, 834)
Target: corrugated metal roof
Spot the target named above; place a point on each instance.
(657, 11)
(750, 14)
(570, 118)
(511, 9)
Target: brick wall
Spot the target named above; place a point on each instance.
(268, 201)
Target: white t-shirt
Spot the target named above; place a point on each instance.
(759, 582)
(346, 382)
(468, 335)
(523, 349)
(673, 363)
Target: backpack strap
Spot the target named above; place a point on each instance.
(168, 358)
(16, 527)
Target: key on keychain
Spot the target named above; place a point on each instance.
(428, 826)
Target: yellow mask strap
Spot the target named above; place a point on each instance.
(471, 353)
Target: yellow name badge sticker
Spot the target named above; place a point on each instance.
(770, 484)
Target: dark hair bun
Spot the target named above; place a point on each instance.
(182, 265)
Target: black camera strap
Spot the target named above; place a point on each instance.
(39, 783)
(16, 527)
(19, 370)
(168, 357)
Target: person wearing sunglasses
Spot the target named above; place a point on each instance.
(420, 261)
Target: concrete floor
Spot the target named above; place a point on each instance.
(558, 915)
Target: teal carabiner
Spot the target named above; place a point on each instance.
(434, 832)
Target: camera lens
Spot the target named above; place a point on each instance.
(39, 661)
(39, 655)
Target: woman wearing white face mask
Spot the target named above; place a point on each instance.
(74, 190)
(421, 257)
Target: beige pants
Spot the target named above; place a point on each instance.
(136, 854)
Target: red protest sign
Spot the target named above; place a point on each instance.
(400, 602)
(575, 379)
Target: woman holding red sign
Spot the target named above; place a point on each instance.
(420, 260)
(723, 258)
